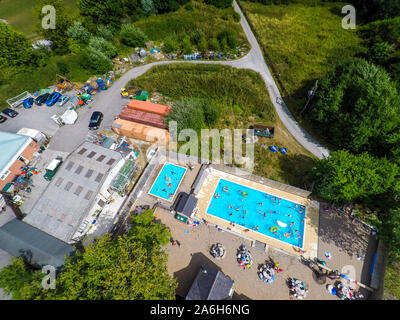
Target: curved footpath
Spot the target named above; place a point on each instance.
(110, 102)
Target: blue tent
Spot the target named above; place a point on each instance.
(273, 148)
(283, 150)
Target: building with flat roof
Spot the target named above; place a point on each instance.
(16, 151)
(72, 202)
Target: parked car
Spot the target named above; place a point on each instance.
(62, 100)
(2, 119)
(52, 99)
(95, 120)
(10, 112)
(52, 168)
(27, 103)
(42, 99)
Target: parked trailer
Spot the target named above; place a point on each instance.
(17, 100)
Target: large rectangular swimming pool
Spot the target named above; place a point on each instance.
(168, 181)
(261, 212)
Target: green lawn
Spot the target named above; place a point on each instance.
(243, 100)
(207, 18)
(19, 15)
(301, 42)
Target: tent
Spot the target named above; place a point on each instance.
(69, 116)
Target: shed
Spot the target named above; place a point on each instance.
(185, 205)
(211, 284)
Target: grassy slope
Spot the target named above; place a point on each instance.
(18, 14)
(204, 17)
(392, 280)
(301, 42)
(243, 100)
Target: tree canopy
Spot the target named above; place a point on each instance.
(345, 177)
(358, 108)
(128, 267)
(15, 47)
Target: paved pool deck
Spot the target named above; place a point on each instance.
(310, 244)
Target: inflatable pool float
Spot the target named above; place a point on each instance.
(244, 194)
(281, 224)
(273, 229)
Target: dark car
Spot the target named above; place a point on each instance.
(42, 99)
(10, 112)
(2, 119)
(52, 99)
(27, 103)
(95, 120)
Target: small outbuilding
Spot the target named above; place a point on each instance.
(184, 206)
(211, 284)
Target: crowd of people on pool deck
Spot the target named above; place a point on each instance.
(276, 201)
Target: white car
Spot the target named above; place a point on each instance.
(62, 100)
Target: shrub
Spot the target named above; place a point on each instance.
(236, 16)
(104, 46)
(186, 46)
(104, 32)
(219, 3)
(132, 36)
(148, 7)
(213, 45)
(78, 32)
(228, 36)
(195, 36)
(202, 46)
(171, 44)
(188, 113)
(95, 60)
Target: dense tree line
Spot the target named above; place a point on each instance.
(130, 267)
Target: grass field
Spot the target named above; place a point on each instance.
(206, 18)
(301, 42)
(18, 13)
(243, 100)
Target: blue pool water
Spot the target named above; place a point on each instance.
(167, 181)
(259, 209)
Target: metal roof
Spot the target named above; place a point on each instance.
(70, 195)
(11, 146)
(38, 248)
(210, 284)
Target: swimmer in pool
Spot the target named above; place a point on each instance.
(245, 211)
(260, 203)
(256, 228)
(289, 215)
(230, 206)
(231, 214)
(291, 224)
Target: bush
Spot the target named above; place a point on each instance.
(95, 60)
(196, 36)
(104, 32)
(211, 113)
(148, 7)
(132, 36)
(186, 46)
(229, 37)
(220, 3)
(104, 46)
(202, 46)
(171, 44)
(188, 113)
(78, 32)
(236, 16)
(213, 45)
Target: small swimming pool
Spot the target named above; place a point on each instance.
(261, 212)
(168, 181)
